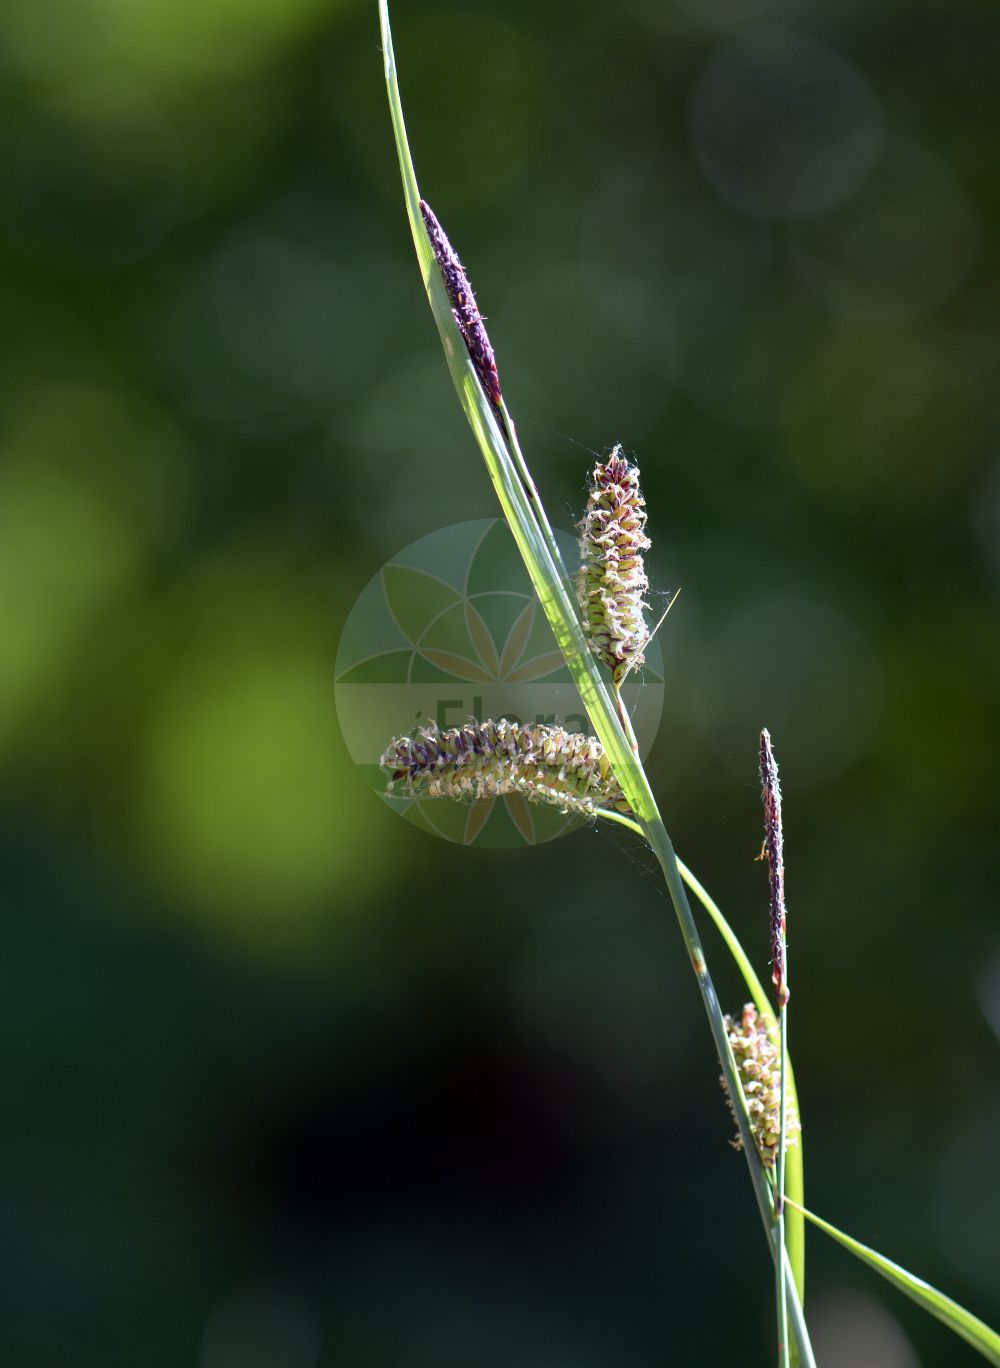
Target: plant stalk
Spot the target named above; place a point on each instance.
(523, 511)
(779, 1195)
(656, 835)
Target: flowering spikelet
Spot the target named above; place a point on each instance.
(774, 851)
(759, 1066)
(545, 764)
(463, 306)
(612, 578)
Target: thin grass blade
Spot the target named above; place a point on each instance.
(962, 1322)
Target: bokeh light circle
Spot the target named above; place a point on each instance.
(783, 126)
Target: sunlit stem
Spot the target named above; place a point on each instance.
(657, 837)
(530, 489)
(794, 1183)
(779, 1194)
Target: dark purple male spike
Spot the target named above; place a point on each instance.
(774, 849)
(463, 306)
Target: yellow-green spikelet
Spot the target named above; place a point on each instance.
(759, 1068)
(612, 577)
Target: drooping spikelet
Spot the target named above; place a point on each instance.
(545, 764)
(759, 1067)
(463, 306)
(612, 577)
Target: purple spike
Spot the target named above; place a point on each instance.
(463, 305)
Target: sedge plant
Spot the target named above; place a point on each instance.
(597, 616)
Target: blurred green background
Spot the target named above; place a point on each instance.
(288, 1083)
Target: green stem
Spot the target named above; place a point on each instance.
(794, 1176)
(610, 816)
(781, 1300)
(792, 1182)
(531, 490)
(657, 836)
(800, 1331)
(762, 1190)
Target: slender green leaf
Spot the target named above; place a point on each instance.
(962, 1322)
